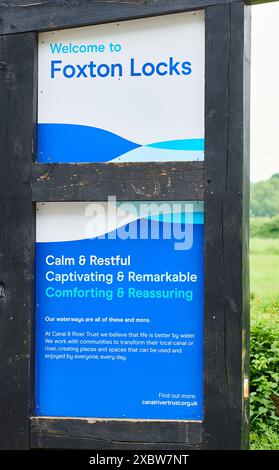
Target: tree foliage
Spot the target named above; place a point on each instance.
(265, 197)
(263, 227)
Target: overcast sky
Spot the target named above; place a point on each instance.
(265, 91)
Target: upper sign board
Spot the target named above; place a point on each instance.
(123, 92)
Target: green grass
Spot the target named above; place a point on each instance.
(264, 246)
(264, 263)
(267, 439)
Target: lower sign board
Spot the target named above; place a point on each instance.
(119, 310)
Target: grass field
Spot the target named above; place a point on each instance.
(264, 271)
(264, 263)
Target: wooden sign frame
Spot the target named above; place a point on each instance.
(222, 181)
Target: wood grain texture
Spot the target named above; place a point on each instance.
(55, 433)
(41, 15)
(16, 236)
(226, 271)
(134, 181)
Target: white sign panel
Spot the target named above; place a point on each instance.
(123, 92)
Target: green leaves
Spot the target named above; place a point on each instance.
(264, 376)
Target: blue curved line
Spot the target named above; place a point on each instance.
(179, 218)
(180, 144)
(197, 221)
(148, 154)
(74, 143)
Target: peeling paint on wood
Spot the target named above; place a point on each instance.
(127, 181)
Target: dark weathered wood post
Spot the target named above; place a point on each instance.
(222, 181)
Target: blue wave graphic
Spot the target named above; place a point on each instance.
(180, 144)
(152, 154)
(62, 143)
(146, 225)
(73, 143)
(179, 218)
